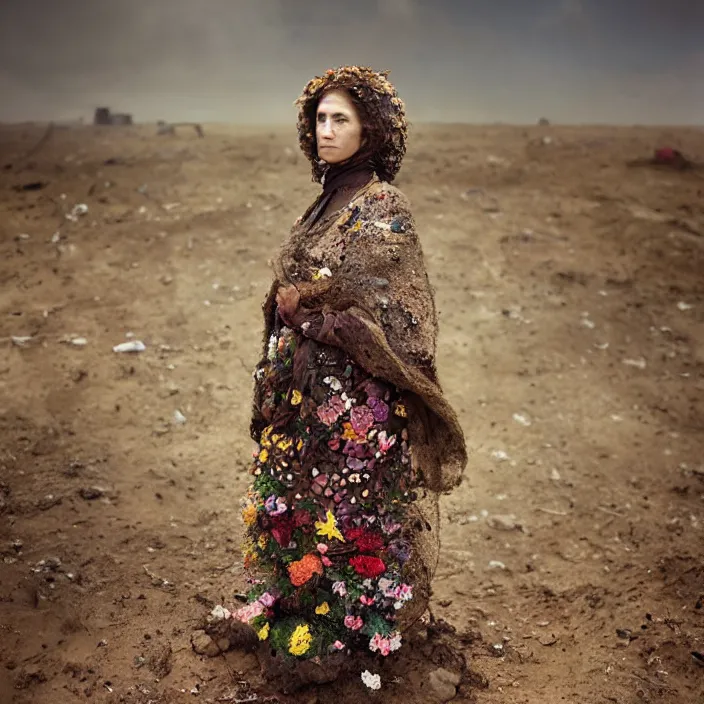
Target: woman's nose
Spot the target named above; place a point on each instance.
(326, 129)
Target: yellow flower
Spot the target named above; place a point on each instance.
(401, 411)
(264, 632)
(262, 541)
(264, 439)
(299, 445)
(264, 455)
(350, 433)
(300, 640)
(328, 528)
(249, 514)
(323, 609)
(296, 397)
(356, 227)
(284, 443)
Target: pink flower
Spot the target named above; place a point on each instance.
(362, 419)
(248, 612)
(267, 599)
(380, 644)
(404, 592)
(354, 623)
(385, 442)
(322, 548)
(338, 645)
(366, 600)
(339, 588)
(329, 412)
(327, 562)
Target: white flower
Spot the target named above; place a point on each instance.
(333, 383)
(271, 350)
(395, 641)
(372, 681)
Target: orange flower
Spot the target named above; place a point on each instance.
(350, 434)
(302, 570)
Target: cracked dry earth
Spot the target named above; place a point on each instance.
(571, 296)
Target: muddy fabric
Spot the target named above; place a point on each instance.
(363, 288)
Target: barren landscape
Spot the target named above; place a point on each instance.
(570, 289)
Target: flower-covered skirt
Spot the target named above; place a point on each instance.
(327, 512)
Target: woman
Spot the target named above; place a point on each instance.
(355, 439)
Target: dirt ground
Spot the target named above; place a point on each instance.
(571, 297)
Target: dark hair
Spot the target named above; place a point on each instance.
(381, 111)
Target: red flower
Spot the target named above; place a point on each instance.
(369, 542)
(282, 529)
(368, 566)
(353, 533)
(365, 540)
(302, 518)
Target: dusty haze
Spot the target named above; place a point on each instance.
(245, 61)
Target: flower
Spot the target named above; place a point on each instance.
(301, 518)
(362, 419)
(368, 566)
(368, 541)
(338, 645)
(267, 599)
(379, 644)
(248, 612)
(339, 588)
(328, 528)
(385, 442)
(379, 409)
(300, 641)
(327, 562)
(249, 514)
(302, 570)
(264, 455)
(394, 641)
(263, 632)
(372, 681)
(296, 397)
(354, 623)
(323, 609)
(350, 434)
(366, 600)
(322, 548)
(329, 412)
(275, 505)
(400, 411)
(282, 530)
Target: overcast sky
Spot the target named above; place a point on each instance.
(618, 61)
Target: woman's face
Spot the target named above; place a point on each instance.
(338, 127)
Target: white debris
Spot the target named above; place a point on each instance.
(131, 346)
(77, 211)
(21, 340)
(496, 565)
(179, 418)
(638, 363)
(370, 680)
(684, 306)
(500, 455)
(523, 420)
(219, 613)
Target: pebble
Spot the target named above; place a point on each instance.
(443, 684)
(203, 644)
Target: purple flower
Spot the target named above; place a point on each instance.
(379, 409)
(275, 505)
